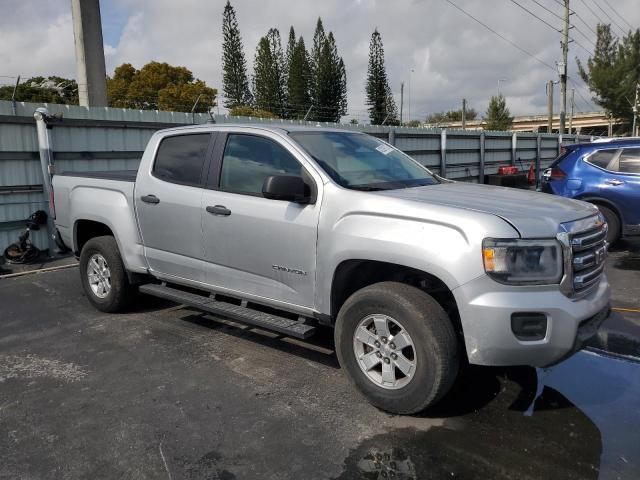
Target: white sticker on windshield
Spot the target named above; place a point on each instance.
(384, 148)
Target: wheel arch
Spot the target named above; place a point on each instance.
(596, 200)
(354, 274)
(85, 229)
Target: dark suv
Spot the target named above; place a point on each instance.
(606, 174)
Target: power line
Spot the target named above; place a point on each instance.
(562, 18)
(585, 36)
(585, 23)
(580, 45)
(548, 9)
(534, 15)
(587, 102)
(600, 21)
(513, 44)
(562, 5)
(551, 26)
(620, 16)
(609, 17)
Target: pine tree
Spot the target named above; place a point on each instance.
(263, 92)
(498, 116)
(298, 81)
(235, 83)
(613, 71)
(319, 39)
(382, 107)
(329, 82)
(269, 75)
(291, 46)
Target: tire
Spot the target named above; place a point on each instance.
(435, 347)
(613, 235)
(120, 291)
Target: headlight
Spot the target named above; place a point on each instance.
(522, 262)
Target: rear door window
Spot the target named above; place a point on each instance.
(629, 161)
(181, 158)
(602, 158)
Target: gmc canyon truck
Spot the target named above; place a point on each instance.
(292, 228)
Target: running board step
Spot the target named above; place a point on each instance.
(267, 321)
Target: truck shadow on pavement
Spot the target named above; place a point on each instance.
(318, 349)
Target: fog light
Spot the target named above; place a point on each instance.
(529, 326)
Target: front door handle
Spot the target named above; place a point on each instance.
(614, 182)
(219, 210)
(150, 199)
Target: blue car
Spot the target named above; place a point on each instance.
(606, 174)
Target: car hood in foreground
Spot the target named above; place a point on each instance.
(533, 214)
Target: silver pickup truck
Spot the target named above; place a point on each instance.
(293, 228)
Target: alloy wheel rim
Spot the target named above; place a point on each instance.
(385, 351)
(99, 275)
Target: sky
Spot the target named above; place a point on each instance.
(439, 53)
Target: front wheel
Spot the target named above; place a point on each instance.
(398, 346)
(613, 224)
(104, 278)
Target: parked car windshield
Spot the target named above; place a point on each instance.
(362, 162)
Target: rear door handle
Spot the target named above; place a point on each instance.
(614, 182)
(219, 210)
(150, 199)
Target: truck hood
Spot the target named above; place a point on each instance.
(533, 214)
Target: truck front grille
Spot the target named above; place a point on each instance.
(588, 252)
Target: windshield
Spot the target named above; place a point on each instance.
(362, 162)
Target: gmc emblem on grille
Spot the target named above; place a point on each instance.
(600, 254)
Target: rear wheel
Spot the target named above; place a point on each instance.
(613, 222)
(104, 278)
(398, 346)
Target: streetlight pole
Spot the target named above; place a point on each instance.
(401, 102)
(500, 82)
(411, 70)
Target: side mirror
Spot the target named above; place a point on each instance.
(286, 187)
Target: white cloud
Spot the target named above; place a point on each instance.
(452, 56)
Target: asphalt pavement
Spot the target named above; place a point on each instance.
(166, 392)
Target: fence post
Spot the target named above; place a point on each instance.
(514, 148)
(538, 152)
(481, 167)
(443, 153)
(46, 162)
(392, 136)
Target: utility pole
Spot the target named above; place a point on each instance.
(90, 69)
(550, 106)
(464, 113)
(401, 100)
(636, 109)
(573, 91)
(562, 67)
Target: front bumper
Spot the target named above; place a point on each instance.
(485, 308)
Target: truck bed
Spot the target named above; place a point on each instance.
(121, 175)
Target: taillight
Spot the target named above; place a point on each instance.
(52, 204)
(556, 174)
